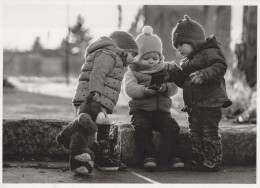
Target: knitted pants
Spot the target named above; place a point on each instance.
(144, 123)
(205, 140)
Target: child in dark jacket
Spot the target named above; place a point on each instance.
(146, 83)
(106, 62)
(201, 75)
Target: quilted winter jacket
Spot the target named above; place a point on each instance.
(210, 60)
(134, 84)
(102, 72)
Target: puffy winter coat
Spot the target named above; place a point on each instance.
(208, 59)
(134, 85)
(102, 72)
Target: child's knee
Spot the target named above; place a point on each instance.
(210, 131)
(142, 127)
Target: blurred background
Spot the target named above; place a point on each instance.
(44, 46)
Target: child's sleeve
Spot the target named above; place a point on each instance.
(131, 86)
(172, 89)
(175, 74)
(103, 65)
(216, 66)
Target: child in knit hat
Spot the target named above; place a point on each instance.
(146, 83)
(106, 62)
(201, 75)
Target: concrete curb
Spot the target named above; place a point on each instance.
(238, 143)
(34, 139)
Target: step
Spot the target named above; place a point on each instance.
(34, 139)
(238, 143)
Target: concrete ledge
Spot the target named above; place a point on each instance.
(238, 141)
(34, 139)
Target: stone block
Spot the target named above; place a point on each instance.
(32, 139)
(238, 142)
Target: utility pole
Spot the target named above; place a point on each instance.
(119, 7)
(67, 50)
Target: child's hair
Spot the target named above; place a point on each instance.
(188, 31)
(148, 42)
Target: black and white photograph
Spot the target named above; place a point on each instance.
(129, 92)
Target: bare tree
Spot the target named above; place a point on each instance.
(246, 51)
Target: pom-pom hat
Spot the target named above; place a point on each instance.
(148, 42)
(188, 31)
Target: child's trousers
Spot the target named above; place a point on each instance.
(205, 140)
(144, 122)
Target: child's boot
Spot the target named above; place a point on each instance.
(150, 163)
(213, 154)
(197, 153)
(176, 163)
(104, 160)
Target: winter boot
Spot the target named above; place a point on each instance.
(177, 163)
(213, 153)
(104, 160)
(149, 163)
(197, 153)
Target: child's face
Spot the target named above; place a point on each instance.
(130, 57)
(184, 49)
(150, 59)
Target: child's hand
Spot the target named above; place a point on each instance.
(149, 92)
(96, 97)
(197, 77)
(163, 88)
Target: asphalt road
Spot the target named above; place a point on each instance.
(57, 172)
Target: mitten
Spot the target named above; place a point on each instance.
(102, 118)
(150, 91)
(197, 77)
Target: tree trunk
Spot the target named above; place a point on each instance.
(246, 51)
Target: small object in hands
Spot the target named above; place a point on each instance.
(163, 88)
(157, 79)
(154, 87)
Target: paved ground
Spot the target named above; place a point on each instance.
(56, 172)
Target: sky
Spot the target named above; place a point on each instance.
(22, 23)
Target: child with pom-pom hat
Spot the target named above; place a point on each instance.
(146, 83)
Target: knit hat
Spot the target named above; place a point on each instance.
(124, 41)
(148, 42)
(188, 31)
